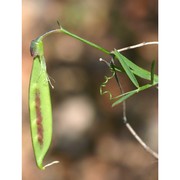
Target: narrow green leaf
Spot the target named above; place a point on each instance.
(124, 97)
(138, 71)
(116, 68)
(142, 88)
(126, 68)
(152, 72)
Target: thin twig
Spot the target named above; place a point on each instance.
(143, 144)
(132, 131)
(50, 164)
(138, 45)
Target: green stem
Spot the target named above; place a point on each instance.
(48, 33)
(74, 36)
(85, 41)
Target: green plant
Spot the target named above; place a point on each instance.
(39, 96)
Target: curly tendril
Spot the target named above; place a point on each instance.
(103, 85)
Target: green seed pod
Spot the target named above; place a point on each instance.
(40, 104)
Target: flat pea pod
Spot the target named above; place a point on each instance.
(40, 104)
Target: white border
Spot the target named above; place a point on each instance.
(10, 90)
(169, 91)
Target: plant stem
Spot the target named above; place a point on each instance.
(48, 33)
(143, 144)
(85, 41)
(129, 127)
(138, 45)
(76, 37)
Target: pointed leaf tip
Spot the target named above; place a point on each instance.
(126, 68)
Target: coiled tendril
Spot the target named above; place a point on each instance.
(103, 85)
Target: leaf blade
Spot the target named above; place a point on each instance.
(152, 72)
(138, 71)
(124, 97)
(130, 93)
(126, 68)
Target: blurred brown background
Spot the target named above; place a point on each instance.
(89, 137)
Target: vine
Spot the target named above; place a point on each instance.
(40, 82)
